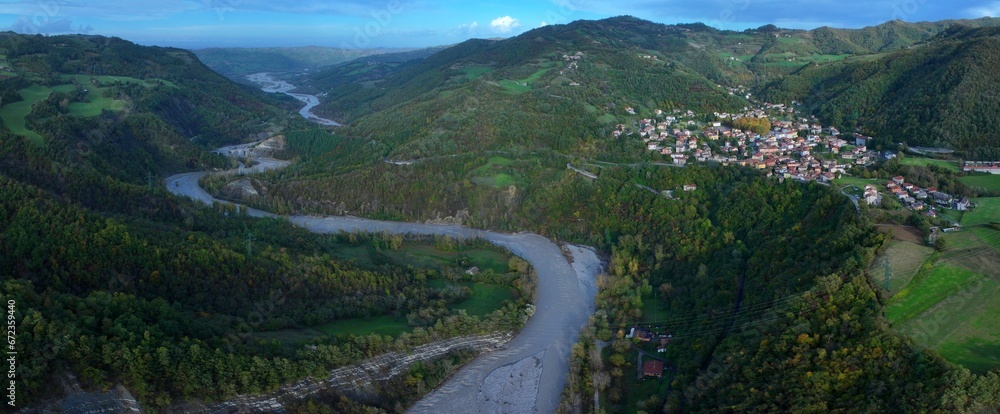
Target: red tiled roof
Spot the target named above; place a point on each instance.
(652, 367)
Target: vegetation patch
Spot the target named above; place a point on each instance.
(653, 310)
(932, 285)
(476, 72)
(518, 87)
(381, 325)
(988, 235)
(987, 211)
(989, 182)
(926, 162)
(905, 260)
(434, 256)
(485, 298)
(963, 327)
(498, 172)
(14, 114)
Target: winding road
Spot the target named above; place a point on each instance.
(529, 374)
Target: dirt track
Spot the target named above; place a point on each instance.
(904, 233)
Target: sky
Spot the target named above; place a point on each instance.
(360, 24)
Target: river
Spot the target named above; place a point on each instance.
(529, 374)
(267, 83)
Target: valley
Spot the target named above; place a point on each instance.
(552, 328)
(609, 215)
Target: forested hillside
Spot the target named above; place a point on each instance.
(936, 95)
(117, 282)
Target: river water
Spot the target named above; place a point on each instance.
(268, 84)
(529, 374)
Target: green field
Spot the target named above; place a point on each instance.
(518, 87)
(653, 310)
(107, 80)
(825, 58)
(475, 72)
(497, 172)
(926, 290)
(431, 256)
(13, 114)
(905, 259)
(952, 214)
(423, 254)
(975, 340)
(382, 325)
(987, 211)
(989, 236)
(486, 297)
(953, 306)
(924, 162)
(988, 182)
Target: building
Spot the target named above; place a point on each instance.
(871, 194)
(652, 368)
(963, 204)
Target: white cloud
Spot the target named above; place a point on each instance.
(467, 30)
(505, 24)
(991, 10)
(543, 24)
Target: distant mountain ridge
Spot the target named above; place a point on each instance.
(235, 63)
(627, 62)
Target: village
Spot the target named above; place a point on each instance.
(793, 150)
(797, 149)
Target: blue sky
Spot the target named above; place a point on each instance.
(419, 23)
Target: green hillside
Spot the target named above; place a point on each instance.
(935, 95)
(116, 281)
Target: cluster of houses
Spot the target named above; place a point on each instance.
(789, 150)
(645, 335)
(651, 367)
(920, 199)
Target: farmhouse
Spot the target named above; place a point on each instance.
(652, 368)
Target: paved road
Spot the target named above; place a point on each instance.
(564, 301)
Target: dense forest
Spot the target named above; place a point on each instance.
(774, 309)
